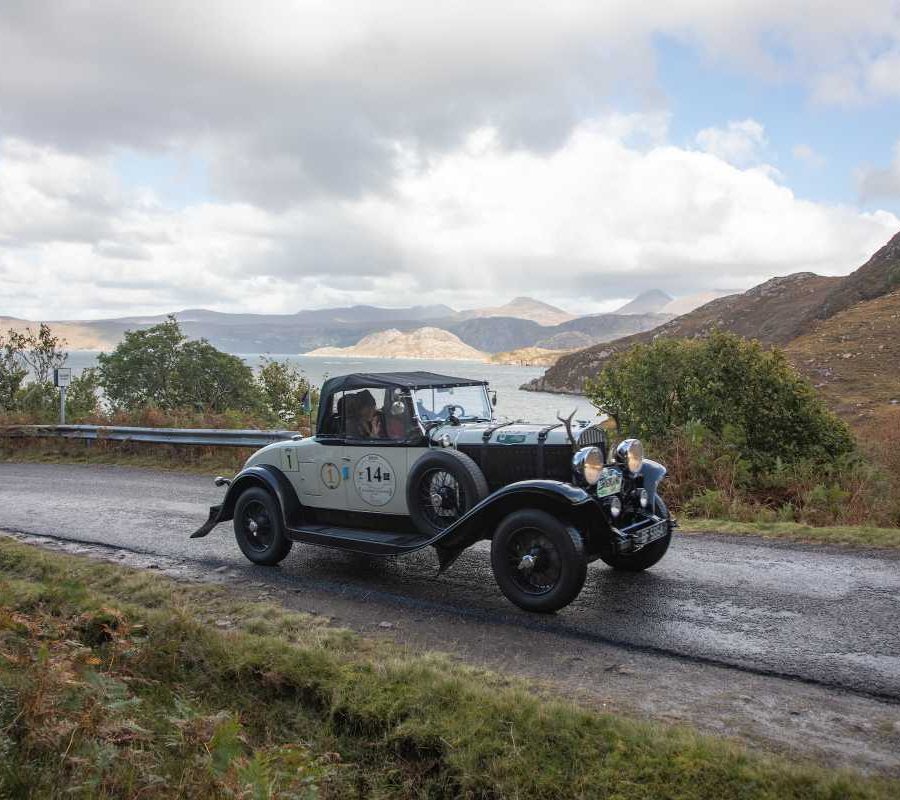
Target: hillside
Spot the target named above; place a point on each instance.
(773, 312)
(853, 358)
(420, 343)
(528, 357)
(776, 312)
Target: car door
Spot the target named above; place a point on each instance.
(375, 464)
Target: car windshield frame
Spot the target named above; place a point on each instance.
(438, 408)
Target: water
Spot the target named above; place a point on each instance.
(512, 403)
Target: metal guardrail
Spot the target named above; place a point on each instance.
(179, 436)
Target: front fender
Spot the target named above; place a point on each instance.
(652, 473)
(555, 497)
(264, 475)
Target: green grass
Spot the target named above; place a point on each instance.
(855, 536)
(117, 683)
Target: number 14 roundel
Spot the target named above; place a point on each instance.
(374, 480)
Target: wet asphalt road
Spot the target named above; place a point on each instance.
(822, 615)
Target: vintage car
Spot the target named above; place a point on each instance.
(407, 460)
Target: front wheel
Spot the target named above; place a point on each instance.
(258, 527)
(538, 561)
(648, 555)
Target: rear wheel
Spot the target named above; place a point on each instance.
(442, 486)
(538, 561)
(258, 527)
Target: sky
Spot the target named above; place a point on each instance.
(282, 155)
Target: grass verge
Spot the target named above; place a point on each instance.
(855, 536)
(194, 460)
(117, 683)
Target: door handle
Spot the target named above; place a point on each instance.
(346, 458)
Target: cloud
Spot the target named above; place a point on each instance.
(288, 99)
(808, 156)
(740, 143)
(399, 152)
(880, 183)
(612, 211)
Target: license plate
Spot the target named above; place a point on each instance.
(650, 534)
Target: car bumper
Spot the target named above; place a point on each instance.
(639, 534)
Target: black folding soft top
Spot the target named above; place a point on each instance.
(405, 380)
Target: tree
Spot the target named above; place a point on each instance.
(734, 388)
(82, 398)
(25, 354)
(141, 370)
(284, 388)
(207, 378)
(41, 352)
(12, 371)
(160, 367)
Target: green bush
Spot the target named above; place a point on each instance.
(748, 396)
(159, 367)
(284, 388)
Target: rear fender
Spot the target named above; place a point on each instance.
(562, 500)
(264, 476)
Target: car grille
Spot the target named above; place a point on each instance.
(594, 435)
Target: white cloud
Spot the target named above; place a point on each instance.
(883, 76)
(598, 218)
(880, 183)
(741, 143)
(806, 154)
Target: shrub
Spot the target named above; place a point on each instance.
(739, 391)
(287, 391)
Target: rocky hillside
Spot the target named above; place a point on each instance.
(420, 343)
(853, 357)
(776, 312)
(528, 357)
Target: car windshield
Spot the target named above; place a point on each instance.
(468, 403)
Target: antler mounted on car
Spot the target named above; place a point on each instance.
(567, 421)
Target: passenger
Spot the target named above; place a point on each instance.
(363, 420)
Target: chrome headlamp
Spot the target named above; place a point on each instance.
(630, 454)
(587, 464)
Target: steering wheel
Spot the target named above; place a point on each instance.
(447, 411)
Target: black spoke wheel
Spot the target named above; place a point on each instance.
(258, 527)
(538, 560)
(442, 486)
(441, 497)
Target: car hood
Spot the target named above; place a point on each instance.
(511, 433)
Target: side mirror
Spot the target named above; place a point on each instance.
(398, 408)
(494, 399)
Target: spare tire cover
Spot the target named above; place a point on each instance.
(441, 487)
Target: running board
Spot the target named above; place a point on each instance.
(359, 540)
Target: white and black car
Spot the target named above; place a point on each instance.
(402, 461)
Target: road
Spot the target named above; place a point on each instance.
(763, 614)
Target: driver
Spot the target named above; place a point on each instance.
(363, 421)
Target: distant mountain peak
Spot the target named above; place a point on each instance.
(524, 308)
(650, 302)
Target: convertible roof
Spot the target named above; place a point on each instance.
(407, 380)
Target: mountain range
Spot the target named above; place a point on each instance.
(521, 323)
(842, 332)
